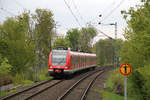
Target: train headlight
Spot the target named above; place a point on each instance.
(66, 66)
(51, 67)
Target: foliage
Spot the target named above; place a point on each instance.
(23, 39)
(6, 93)
(27, 82)
(115, 80)
(60, 42)
(73, 37)
(44, 29)
(20, 79)
(144, 72)
(14, 43)
(43, 34)
(43, 75)
(5, 68)
(86, 36)
(136, 48)
(20, 40)
(112, 96)
(81, 39)
(115, 84)
(105, 52)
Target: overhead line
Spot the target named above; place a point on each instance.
(7, 11)
(105, 34)
(75, 6)
(72, 13)
(113, 10)
(19, 4)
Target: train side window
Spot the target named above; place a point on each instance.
(81, 59)
(73, 60)
(76, 60)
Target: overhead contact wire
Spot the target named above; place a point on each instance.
(72, 13)
(75, 6)
(112, 11)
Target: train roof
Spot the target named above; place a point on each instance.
(76, 53)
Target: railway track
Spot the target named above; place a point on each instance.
(35, 96)
(71, 93)
(53, 89)
(33, 90)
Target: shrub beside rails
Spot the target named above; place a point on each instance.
(5, 79)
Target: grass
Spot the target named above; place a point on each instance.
(114, 80)
(112, 96)
(43, 75)
(4, 93)
(20, 79)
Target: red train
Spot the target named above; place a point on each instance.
(67, 62)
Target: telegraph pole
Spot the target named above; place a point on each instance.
(36, 52)
(116, 63)
(115, 39)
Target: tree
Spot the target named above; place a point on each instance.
(73, 37)
(136, 48)
(60, 42)
(105, 52)
(5, 68)
(86, 36)
(43, 35)
(14, 43)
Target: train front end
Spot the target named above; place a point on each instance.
(59, 62)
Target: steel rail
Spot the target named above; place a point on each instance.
(37, 93)
(75, 84)
(34, 86)
(90, 85)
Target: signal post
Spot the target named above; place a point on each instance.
(125, 69)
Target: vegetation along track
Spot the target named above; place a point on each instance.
(53, 89)
(33, 90)
(79, 89)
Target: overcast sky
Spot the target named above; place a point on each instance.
(85, 10)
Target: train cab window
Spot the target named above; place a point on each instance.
(59, 57)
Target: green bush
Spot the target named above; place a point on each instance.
(113, 96)
(145, 74)
(43, 75)
(5, 69)
(4, 93)
(27, 82)
(115, 79)
(19, 79)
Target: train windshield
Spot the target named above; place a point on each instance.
(59, 57)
